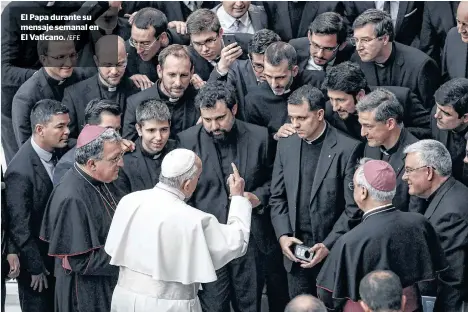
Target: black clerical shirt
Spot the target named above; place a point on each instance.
(226, 149)
(387, 154)
(383, 71)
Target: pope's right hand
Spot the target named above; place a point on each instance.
(236, 183)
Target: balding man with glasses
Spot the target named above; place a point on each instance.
(428, 172)
(389, 63)
(109, 83)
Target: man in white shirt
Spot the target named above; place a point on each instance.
(165, 248)
(241, 17)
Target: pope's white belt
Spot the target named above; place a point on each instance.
(145, 285)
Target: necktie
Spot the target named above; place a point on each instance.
(386, 7)
(236, 25)
(54, 159)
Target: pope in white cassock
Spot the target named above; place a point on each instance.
(166, 248)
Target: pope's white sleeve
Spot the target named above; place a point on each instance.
(229, 241)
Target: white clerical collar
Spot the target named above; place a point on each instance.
(377, 210)
(319, 136)
(107, 85)
(171, 190)
(229, 21)
(42, 153)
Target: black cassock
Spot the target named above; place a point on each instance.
(76, 223)
(387, 239)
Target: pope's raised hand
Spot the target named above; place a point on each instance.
(236, 182)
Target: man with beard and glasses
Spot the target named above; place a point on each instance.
(266, 105)
(150, 34)
(449, 122)
(324, 46)
(29, 183)
(175, 70)
(346, 84)
(219, 141)
(142, 166)
(245, 75)
(58, 59)
(109, 83)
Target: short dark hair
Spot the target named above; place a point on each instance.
(177, 50)
(281, 51)
(261, 40)
(147, 17)
(43, 44)
(213, 92)
(385, 104)
(381, 20)
(454, 93)
(96, 107)
(152, 110)
(381, 291)
(307, 93)
(345, 77)
(329, 23)
(203, 20)
(44, 110)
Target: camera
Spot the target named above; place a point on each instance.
(302, 252)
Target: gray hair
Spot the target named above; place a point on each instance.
(433, 154)
(381, 20)
(152, 110)
(176, 182)
(361, 180)
(305, 303)
(95, 149)
(385, 104)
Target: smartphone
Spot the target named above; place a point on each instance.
(302, 252)
(229, 39)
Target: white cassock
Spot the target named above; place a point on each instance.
(166, 248)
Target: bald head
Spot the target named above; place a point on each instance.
(305, 303)
(110, 46)
(381, 291)
(462, 20)
(111, 59)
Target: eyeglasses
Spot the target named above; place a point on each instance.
(116, 159)
(62, 59)
(409, 170)
(144, 45)
(256, 66)
(324, 49)
(364, 41)
(209, 43)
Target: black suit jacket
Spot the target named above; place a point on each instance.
(77, 96)
(27, 193)
(408, 23)
(438, 19)
(280, 22)
(33, 90)
(302, 46)
(204, 68)
(242, 78)
(416, 118)
(402, 200)
(332, 208)
(448, 214)
(191, 113)
(254, 161)
(454, 56)
(411, 68)
(134, 176)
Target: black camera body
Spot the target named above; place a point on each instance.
(302, 252)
